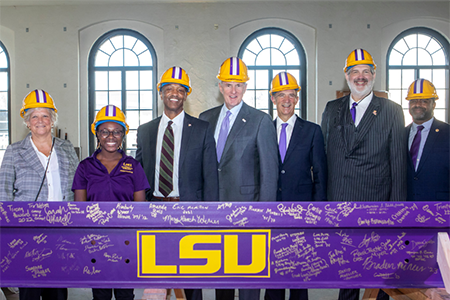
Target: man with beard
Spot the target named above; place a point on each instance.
(364, 140)
(428, 144)
(177, 151)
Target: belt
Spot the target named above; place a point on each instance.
(176, 199)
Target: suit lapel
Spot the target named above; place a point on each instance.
(343, 114)
(185, 138)
(409, 160)
(28, 154)
(294, 140)
(367, 120)
(152, 139)
(239, 124)
(429, 144)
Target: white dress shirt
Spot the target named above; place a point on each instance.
(423, 137)
(361, 107)
(289, 128)
(234, 112)
(52, 176)
(177, 127)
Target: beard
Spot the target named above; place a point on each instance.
(360, 93)
(420, 113)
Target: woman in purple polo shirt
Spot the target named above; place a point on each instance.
(110, 175)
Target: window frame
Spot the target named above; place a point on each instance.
(445, 45)
(302, 67)
(91, 77)
(8, 105)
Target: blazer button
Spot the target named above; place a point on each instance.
(219, 170)
(283, 171)
(279, 189)
(415, 178)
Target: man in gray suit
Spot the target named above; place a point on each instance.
(364, 140)
(246, 144)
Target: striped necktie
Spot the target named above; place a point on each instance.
(414, 150)
(166, 164)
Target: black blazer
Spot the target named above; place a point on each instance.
(198, 179)
(368, 162)
(303, 174)
(431, 181)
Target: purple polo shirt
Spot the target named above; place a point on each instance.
(119, 185)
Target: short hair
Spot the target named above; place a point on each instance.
(53, 115)
(372, 69)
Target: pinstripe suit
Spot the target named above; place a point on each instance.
(21, 172)
(368, 162)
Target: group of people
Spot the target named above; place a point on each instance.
(233, 152)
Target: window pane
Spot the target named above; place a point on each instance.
(130, 58)
(101, 99)
(439, 58)
(408, 78)
(4, 100)
(425, 74)
(101, 80)
(101, 59)
(115, 98)
(139, 47)
(145, 59)
(3, 59)
(424, 58)
(396, 96)
(146, 116)
(264, 41)
(249, 58)
(440, 103)
(263, 58)
(278, 58)
(395, 79)
(439, 79)
(146, 80)
(411, 41)
(401, 46)
(132, 100)
(276, 40)
(3, 81)
(249, 98)
(132, 80)
(410, 58)
(286, 46)
(254, 47)
(423, 40)
(133, 119)
(251, 81)
(262, 98)
(129, 42)
(117, 59)
(117, 41)
(439, 114)
(262, 79)
(131, 139)
(292, 58)
(107, 48)
(433, 46)
(395, 59)
(115, 81)
(146, 100)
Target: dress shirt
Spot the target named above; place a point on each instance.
(424, 134)
(234, 112)
(289, 129)
(52, 176)
(177, 127)
(361, 107)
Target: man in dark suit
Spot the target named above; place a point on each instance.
(363, 140)
(428, 145)
(302, 160)
(177, 151)
(246, 149)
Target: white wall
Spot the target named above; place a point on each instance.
(48, 57)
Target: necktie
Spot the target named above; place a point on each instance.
(414, 151)
(353, 111)
(223, 135)
(282, 144)
(166, 164)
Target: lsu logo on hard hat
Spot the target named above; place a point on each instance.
(203, 253)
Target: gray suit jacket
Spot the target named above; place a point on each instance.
(368, 162)
(21, 172)
(248, 169)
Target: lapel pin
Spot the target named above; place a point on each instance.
(189, 125)
(244, 120)
(437, 130)
(374, 112)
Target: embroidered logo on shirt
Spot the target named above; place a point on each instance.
(127, 167)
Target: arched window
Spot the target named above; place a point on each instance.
(419, 53)
(5, 103)
(122, 68)
(266, 53)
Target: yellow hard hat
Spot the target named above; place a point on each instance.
(284, 81)
(233, 69)
(175, 75)
(37, 99)
(422, 89)
(359, 57)
(110, 113)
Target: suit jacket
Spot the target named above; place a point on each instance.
(248, 169)
(303, 174)
(21, 172)
(368, 162)
(198, 161)
(431, 180)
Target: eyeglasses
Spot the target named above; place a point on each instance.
(105, 133)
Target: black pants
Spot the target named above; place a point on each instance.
(106, 294)
(46, 293)
(244, 294)
(279, 294)
(193, 294)
(353, 294)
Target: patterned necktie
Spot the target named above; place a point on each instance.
(223, 135)
(166, 164)
(282, 145)
(414, 151)
(353, 111)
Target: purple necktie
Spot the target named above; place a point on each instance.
(414, 151)
(223, 135)
(353, 111)
(282, 145)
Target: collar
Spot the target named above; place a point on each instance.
(177, 121)
(426, 125)
(291, 121)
